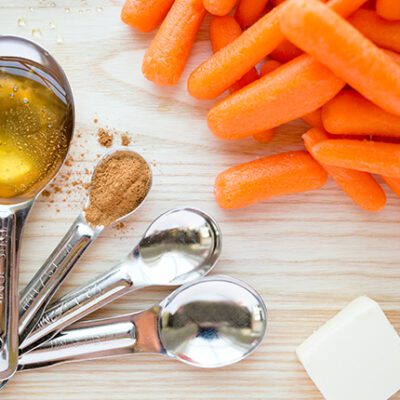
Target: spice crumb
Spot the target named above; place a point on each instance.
(95, 120)
(120, 226)
(105, 137)
(125, 139)
(46, 193)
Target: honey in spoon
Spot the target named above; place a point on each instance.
(35, 118)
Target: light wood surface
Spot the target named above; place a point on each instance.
(308, 255)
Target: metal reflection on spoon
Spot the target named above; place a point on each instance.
(210, 323)
(179, 247)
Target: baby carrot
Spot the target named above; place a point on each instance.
(360, 186)
(167, 55)
(373, 157)
(351, 114)
(344, 50)
(388, 9)
(145, 15)
(229, 64)
(269, 66)
(313, 119)
(249, 11)
(219, 7)
(261, 179)
(223, 30)
(381, 31)
(224, 68)
(393, 183)
(294, 89)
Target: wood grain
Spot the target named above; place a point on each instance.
(308, 255)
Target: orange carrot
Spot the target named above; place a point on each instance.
(388, 9)
(294, 89)
(350, 113)
(224, 68)
(277, 2)
(145, 15)
(223, 30)
(382, 32)
(219, 7)
(313, 119)
(360, 186)
(249, 11)
(373, 157)
(167, 55)
(344, 50)
(395, 56)
(229, 64)
(393, 183)
(285, 51)
(261, 179)
(269, 66)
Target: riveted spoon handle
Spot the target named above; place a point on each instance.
(38, 293)
(79, 303)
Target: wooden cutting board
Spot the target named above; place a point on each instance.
(308, 255)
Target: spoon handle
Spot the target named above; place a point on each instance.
(11, 223)
(38, 293)
(80, 302)
(89, 340)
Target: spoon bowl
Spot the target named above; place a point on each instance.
(212, 323)
(14, 210)
(180, 246)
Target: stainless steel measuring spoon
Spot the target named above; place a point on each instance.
(210, 323)
(180, 246)
(14, 211)
(40, 290)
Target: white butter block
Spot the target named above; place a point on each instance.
(355, 355)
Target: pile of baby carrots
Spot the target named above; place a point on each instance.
(333, 63)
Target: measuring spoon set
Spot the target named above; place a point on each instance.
(207, 322)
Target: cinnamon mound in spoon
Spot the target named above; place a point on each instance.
(119, 185)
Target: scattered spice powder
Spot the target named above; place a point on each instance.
(105, 137)
(119, 184)
(125, 139)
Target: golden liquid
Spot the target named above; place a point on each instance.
(35, 124)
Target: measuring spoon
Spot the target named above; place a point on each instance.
(180, 246)
(210, 323)
(40, 290)
(14, 211)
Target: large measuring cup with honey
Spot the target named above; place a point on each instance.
(36, 126)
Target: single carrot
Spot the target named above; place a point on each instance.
(344, 50)
(369, 156)
(381, 31)
(350, 113)
(167, 55)
(249, 11)
(395, 56)
(313, 119)
(267, 177)
(145, 15)
(393, 183)
(388, 9)
(360, 186)
(223, 30)
(219, 7)
(294, 89)
(225, 67)
(277, 2)
(285, 51)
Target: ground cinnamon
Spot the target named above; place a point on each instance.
(119, 184)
